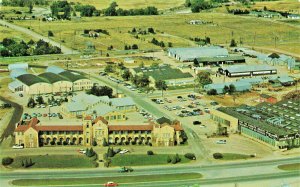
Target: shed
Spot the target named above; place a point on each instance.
(129, 60)
(17, 72)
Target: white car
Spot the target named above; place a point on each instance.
(124, 151)
(82, 151)
(16, 146)
(221, 142)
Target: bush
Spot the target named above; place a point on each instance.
(217, 155)
(190, 156)
(150, 153)
(169, 160)
(59, 143)
(174, 161)
(7, 161)
(94, 143)
(65, 143)
(52, 142)
(50, 34)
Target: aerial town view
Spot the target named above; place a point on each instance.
(150, 93)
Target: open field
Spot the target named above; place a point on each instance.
(290, 167)
(128, 4)
(54, 161)
(102, 180)
(281, 5)
(142, 160)
(10, 33)
(172, 28)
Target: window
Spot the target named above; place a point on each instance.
(87, 140)
(87, 125)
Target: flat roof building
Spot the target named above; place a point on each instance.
(276, 125)
(192, 53)
(219, 87)
(247, 70)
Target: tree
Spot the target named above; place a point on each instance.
(134, 46)
(190, 156)
(31, 103)
(111, 10)
(50, 34)
(7, 161)
(126, 74)
(30, 6)
(161, 85)
(233, 43)
(104, 143)
(169, 159)
(154, 65)
(40, 100)
(94, 143)
(218, 155)
(110, 152)
(109, 68)
(151, 30)
(212, 92)
(232, 89)
(226, 89)
(199, 5)
(203, 78)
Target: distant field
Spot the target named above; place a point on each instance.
(173, 28)
(281, 5)
(128, 4)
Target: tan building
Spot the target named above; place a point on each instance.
(58, 83)
(34, 134)
(79, 82)
(229, 122)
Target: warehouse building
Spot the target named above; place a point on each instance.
(190, 54)
(79, 81)
(247, 70)
(54, 69)
(276, 125)
(59, 83)
(18, 66)
(232, 59)
(33, 133)
(172, 76)
(219, 87)
(17, 72)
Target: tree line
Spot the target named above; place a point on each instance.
(12, 48)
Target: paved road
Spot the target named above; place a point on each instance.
(212, 174)
(14, 119)
(37, 36)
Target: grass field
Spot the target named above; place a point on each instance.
(281, 5)
(102, 180)
(234, 156)
(10, 33)
(128, 4)
(173, 28)
(290, 167)
(54, 161)
(143, 160)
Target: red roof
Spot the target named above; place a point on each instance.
(102, 119)
(130, 127)
(34, 124)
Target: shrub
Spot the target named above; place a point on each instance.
(174, 161)
(65, 143)
(52, 142)
(95, 164)
(7, 161)
(150, 153)
(190, 156)
(94, 143)
(58, 143)
(50, 34)
(178, 159)
(169, 159)
(217, 155)
(106, 164)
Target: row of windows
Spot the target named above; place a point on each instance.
(60, 132)
(129, 132)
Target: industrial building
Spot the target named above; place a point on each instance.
(276, 125)
(219, 87)
(247, 70)
(232, 59)
(172, 76)
(192, 53)
(48, 82)
(33, 133)
(17, 66)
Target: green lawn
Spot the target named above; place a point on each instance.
(142, 160)
(290, 167)
(54, 161)
(234, 156)
(102, 180)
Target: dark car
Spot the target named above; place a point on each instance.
(214, 103)
(125, 170)
(196, 122)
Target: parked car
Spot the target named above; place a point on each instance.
(82, 151)
(221, 142)
(125, 170)
(110, 184)
(124, 151)
(196, 122)
(16, 146)
(214, 103)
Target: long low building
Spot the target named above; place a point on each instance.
(219, 87)
(247, 70)
(203, 61)
(91, 131)
(48, 82)
(276, 125)
(189, 54)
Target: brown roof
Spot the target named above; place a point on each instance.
(177, 127)
(23, 127)
(88, 118)
(59, 128)
(34, 124)
(100, 118)
(130, 127)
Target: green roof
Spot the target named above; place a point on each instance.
(220, 59)
(30, 79)
(52, 77)
(72, 76)
(163, 73)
